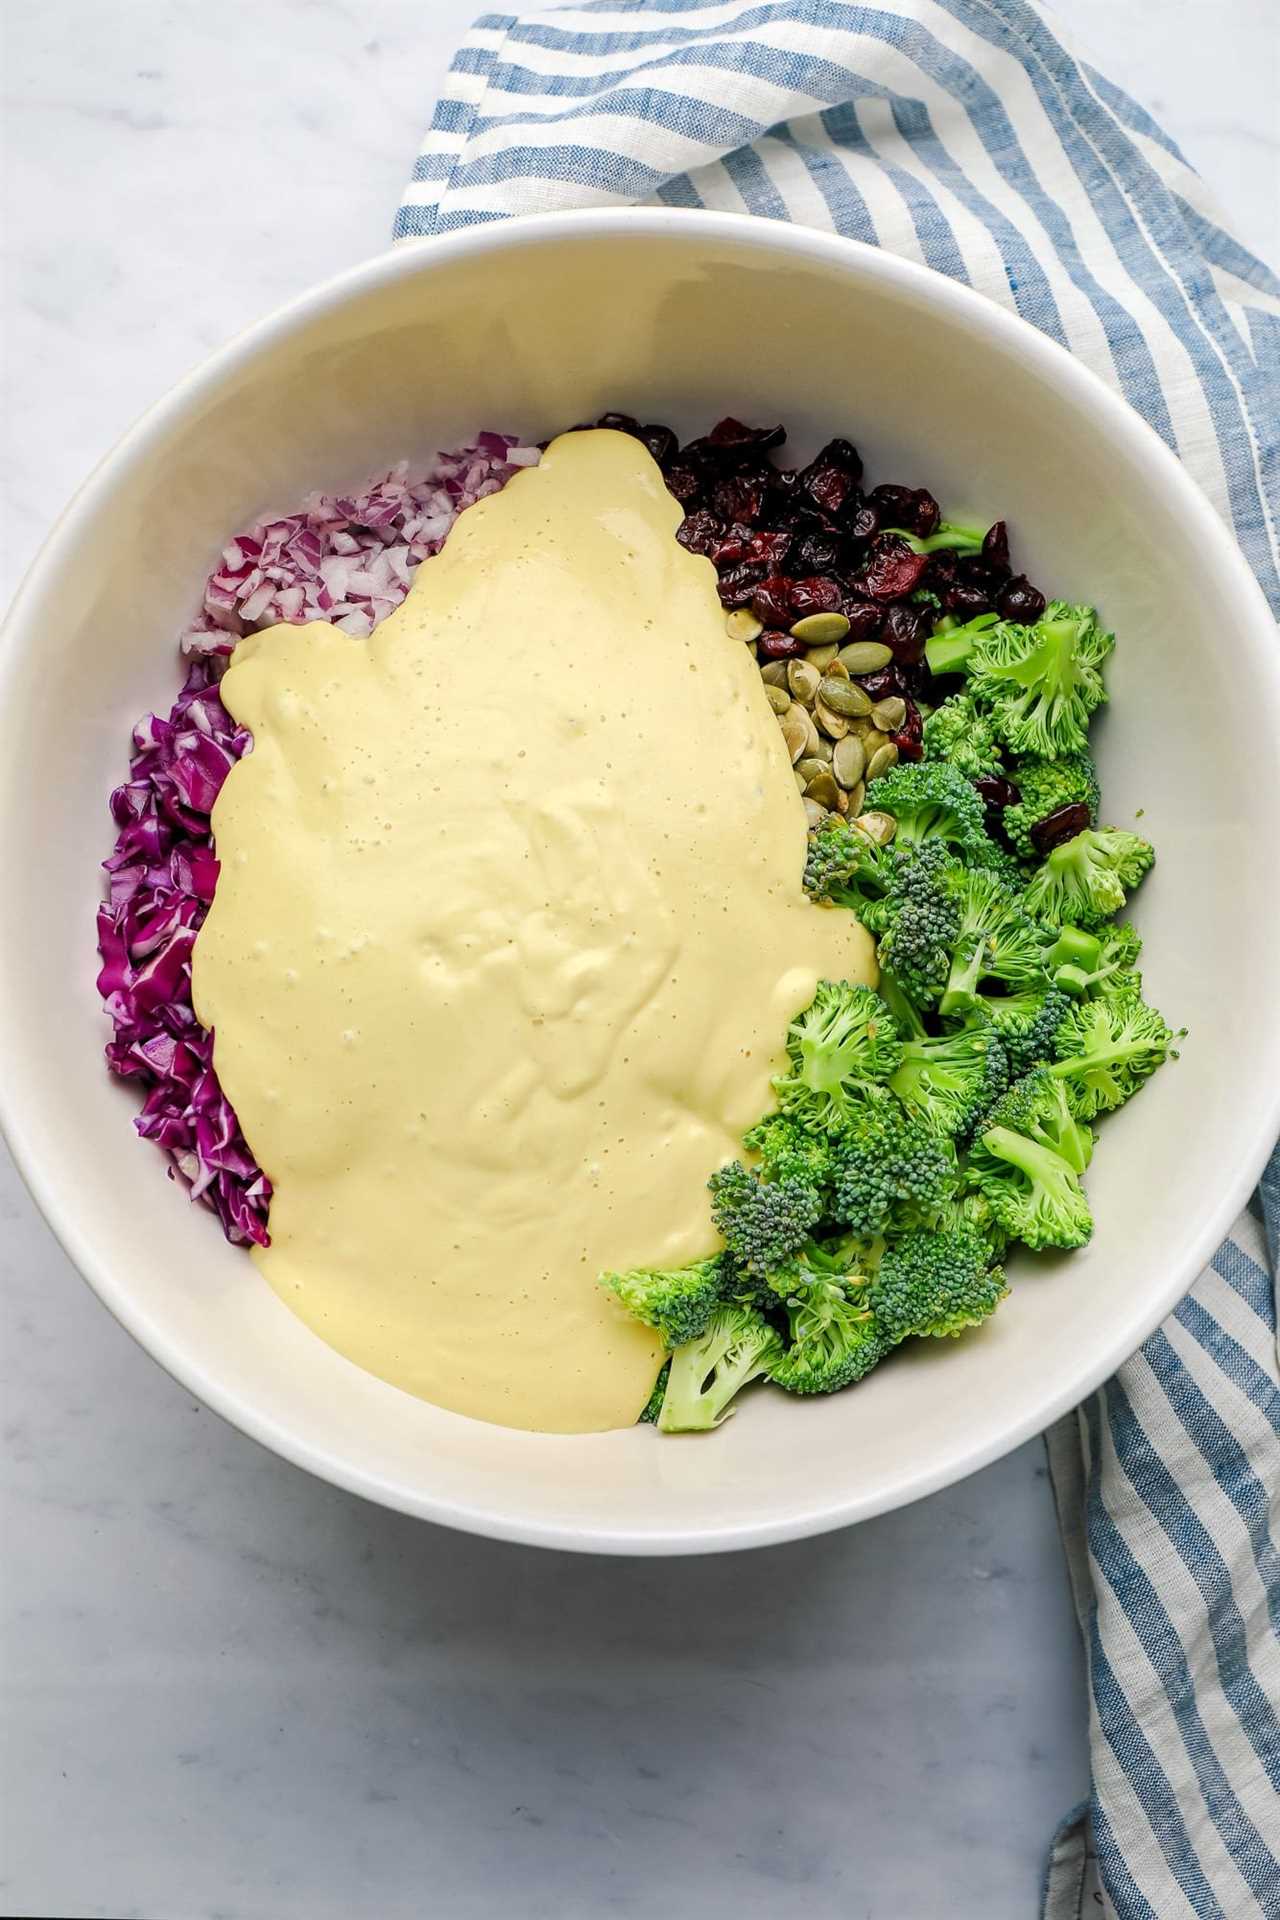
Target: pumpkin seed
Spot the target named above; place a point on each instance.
(813, 813)
(798, 777)
(855, 797)
(866, 656)
(877, 826)
(822, 751)
(779, 699)
(812, 738)
(818, 629)
(823, 789)
(889, 714)
(881, 760)
(822, 657)
(842, 801)
(803, 680)
(775, 674)
(743, 625)
(837, 669)
(794, 731)
(848, 761)
(842, 697)
(811, 765)
(834, 725)
(865, 727)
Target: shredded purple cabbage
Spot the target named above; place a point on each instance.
(347, 561)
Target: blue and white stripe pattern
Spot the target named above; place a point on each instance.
(968, 135)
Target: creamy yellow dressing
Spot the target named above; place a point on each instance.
(508, 931)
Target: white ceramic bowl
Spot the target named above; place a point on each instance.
(678, 317)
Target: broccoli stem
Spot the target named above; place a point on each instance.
(949, 538)
(1042, 1166)
(949, 652)
(961, 992)
(1074, 948)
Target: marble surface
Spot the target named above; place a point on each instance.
(230, 1692)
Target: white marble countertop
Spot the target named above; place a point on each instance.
(231, 1691)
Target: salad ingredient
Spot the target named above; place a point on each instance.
(737, 1347)
(1045, 789)
(933, 1284)
(1027, 1162)
(678, 1305)
(1087, 878)
(163, 870)
(469, 1005)
(1105, 1050)
(1040, 683)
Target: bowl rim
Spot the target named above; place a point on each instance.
(1254, 632)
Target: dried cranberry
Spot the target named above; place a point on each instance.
(733, 545)
(620, 422)
(1062, 825)
(865, 522)
(784, 481)
(817, 550)
(909, 739)
(913, 508)
(730, 434)
(842, 453)
(864, 616)
(817, 594)
(829, 486)
(684, 478)
(995, 547)
(769, 549)
(966, 602)
(771, 601)
(893, 570)
(1021, 601)
(739, 496)
(737, 585)
(779, 646)
(700, 532)
(905, 631)
(661, 442)
(879, 686)
(997, 791)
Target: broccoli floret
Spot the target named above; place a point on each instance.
(789, 1151)
(1037, 1105)
(1027, 1163)
(996, 939)
(1026, 1023)
(922, 920)
(653, 1405)
(891, 1171)
(1083, 882)
(1046, 785)
(935, 1284)
(962, 736)
(763, 1222)
(1086, 965)
(1039, 683)
(950, 1080)
(737, 1347)
(678, 1304)
(848, 868)
(1106, 1048)
(971, 1210)
(834, 1339)
(930, 801)
(839, 1050)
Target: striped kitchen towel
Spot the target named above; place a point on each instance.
(969, 135)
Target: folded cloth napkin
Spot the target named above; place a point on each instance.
(969, 135)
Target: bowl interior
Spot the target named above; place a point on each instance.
(681, 320)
